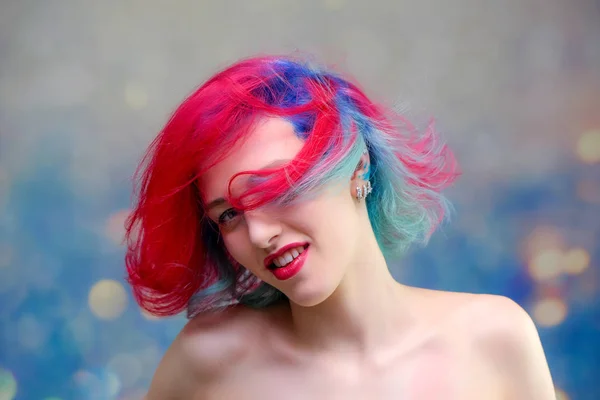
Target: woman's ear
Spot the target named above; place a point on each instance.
(363, 169)
(360, 185)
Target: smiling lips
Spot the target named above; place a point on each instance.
(288, 261)
(285, 255)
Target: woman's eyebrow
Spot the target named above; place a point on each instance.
(215, 203)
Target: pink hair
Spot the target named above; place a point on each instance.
(169, 257)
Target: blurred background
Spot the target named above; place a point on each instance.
(85, 86)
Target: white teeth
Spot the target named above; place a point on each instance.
(288, 257)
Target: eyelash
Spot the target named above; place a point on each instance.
(221, 220)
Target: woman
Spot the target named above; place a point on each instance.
(268, 206)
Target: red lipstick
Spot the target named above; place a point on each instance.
(291, 269)
(269, 259)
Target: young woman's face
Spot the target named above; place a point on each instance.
(322, 232)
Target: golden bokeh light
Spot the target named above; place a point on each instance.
(107, 299)
(561, 395)
(576, 261)
(543, 238)
(135, 96)
(547, 264)
(8, 385)
(549, 311)
(588, 146)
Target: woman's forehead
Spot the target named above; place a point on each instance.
(270, 142)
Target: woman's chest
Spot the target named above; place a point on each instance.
(429, 375)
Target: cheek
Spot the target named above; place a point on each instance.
(330, 221)
(237, 247)
(240, 249)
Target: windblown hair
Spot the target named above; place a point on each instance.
(175, 258)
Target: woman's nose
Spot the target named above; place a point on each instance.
(263, 228)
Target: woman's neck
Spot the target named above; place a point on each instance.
(365, 313)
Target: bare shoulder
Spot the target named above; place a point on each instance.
(498, 324)
(202, 352)
(508, 338)
(504, 337)
(486, 314)
(482, 314)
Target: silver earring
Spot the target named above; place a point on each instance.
(359, 193)
(364, 191)
(369, 189)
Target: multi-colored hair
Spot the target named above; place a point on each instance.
(175, 256)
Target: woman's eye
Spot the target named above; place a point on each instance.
(228, 216)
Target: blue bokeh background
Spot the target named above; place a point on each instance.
(84, 87)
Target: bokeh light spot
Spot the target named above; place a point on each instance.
(135, 96)
(543, 238)
(588, 146)
(127, 367)
(546, 264)
(115, 226)
(97, 383)
(149, 358)
(549, 311)
(32, 335)
(8, 385)
(87, 384)
(107, 299)
(112, 383)
(82, 329)
(561, 395)
(576, 261)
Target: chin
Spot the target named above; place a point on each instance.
(307, 303)
(309, 297)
